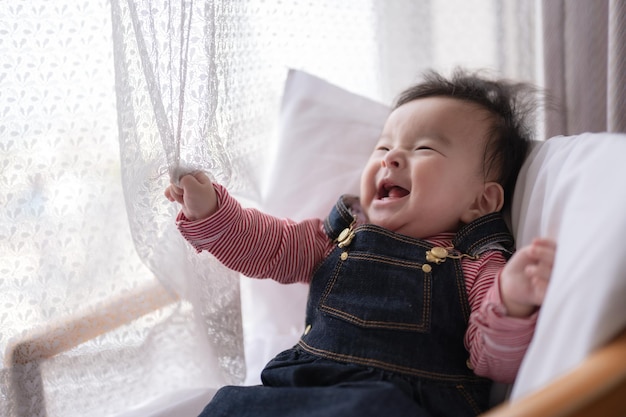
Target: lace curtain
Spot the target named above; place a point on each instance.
(103, 101)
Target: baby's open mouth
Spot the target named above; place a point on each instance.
(389, 190)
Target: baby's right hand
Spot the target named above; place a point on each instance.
(196, 195)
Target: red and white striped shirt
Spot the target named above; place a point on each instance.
(263, 246)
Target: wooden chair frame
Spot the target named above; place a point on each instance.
(58, 337)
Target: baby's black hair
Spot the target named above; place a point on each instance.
(512, 103)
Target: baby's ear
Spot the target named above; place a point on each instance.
(490, 200)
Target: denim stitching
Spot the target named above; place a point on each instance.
(470, 400)
(462, 291)
(391, 325)
(395, 236)
(385, 259)
(331, 283)
(502, 236)
(384, 325)
(345, 219)
(386, 365)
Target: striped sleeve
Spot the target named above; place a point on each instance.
(496, 342)
(256, 244)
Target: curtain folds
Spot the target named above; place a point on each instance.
(168, 96)
(617, 67)
(585, 66)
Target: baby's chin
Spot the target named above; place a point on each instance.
(392, 226)
(414, 231)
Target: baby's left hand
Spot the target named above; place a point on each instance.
(524, 279)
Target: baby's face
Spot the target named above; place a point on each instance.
(426, 172)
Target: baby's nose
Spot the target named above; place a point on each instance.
(393, 159)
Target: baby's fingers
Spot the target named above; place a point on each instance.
(174, 193)
(538, 271)
(543, 251)
(540, 287)
(201, 177)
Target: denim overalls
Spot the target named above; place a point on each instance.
(386, 319)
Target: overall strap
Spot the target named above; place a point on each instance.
(484, 233)
(340, 217)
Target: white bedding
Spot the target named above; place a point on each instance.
(572, 189)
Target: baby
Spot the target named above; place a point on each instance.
(416, 300)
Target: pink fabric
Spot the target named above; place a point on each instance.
(263, 246)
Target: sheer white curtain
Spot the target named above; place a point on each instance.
(66, 249)
(101, 101)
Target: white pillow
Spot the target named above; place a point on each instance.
(572, 189)
(325, 137)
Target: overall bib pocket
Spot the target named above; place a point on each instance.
(379, 292)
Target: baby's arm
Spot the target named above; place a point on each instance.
(196, 195)
(498, 333)
(524, 279)
(246, 240)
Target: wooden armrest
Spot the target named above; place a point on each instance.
(69, 332)
(597, 387)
